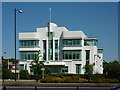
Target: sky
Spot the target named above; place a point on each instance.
(95, 19)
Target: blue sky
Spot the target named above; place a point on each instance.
(94, 19)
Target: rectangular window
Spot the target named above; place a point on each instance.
(56, 69)
(78, 68)
(72, 42)
(72, 55)
(21, 66)
(90, 42)
(29, 43)
(50, 50)
(100, 50)
(65, 69)
(44, 49)
(87, 56)
(56, 44)
(56, 49)
(28, 55)
(31, 70)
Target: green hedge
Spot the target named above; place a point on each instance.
(78, 79)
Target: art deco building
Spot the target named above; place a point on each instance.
(62, 50)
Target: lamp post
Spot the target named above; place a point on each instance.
(15, 35)
(43, 69)
(2, 68)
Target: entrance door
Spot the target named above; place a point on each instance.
(78, 68)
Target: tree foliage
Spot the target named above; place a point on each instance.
(5, 64)
(37, 65)
(88, 68)
(7, 74)
(112, 69)
(24, 74)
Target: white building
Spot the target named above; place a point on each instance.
(62, 50)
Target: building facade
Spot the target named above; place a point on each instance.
(63, 51)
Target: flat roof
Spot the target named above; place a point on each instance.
(100, 48)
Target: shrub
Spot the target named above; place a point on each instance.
(52, 80)
(106, 80)
(78, 79)
(82, 80)
(32, 76)
(69, 79)
(7, 74)
(57, 79)
(24, 74)
(62, 74)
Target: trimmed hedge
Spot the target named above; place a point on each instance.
(24, 74)
(63, 80)
(76, 79)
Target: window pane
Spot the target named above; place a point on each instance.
(78, 68)
(70, 55)
(27, 55)
(29, 43)
(90, 42)
(72, 42)
(74, 55)
(66, 55)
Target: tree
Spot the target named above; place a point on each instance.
(7, 74)
(37, 65)
(88, 68)
(5, 64)
(24, 74)
(112, 69)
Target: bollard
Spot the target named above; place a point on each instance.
(35, 87)
(77, 87)
(4, 87)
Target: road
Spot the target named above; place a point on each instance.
(58, 88)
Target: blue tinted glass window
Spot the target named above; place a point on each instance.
(72, 55)
(73, 42)
(27, 43)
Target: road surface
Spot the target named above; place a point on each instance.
(58, 88)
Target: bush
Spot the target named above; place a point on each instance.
(24, 74)
(69, 79)
(62, 74)
(47, 70)
(106, 80)
(57, 79)
(32, 76)
(112, 69)
(97, 78)
(82, 80)
(52, 80)
(63, 80)
(7, 74)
